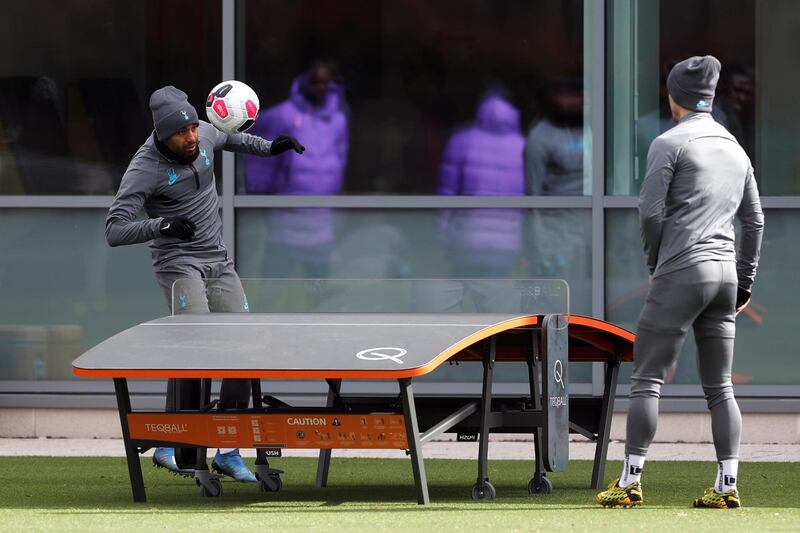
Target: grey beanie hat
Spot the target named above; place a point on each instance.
(171, 111)
(692, 82)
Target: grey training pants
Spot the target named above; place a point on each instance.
(203, 288)
(702, 296)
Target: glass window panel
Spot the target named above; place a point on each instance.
(74, 93)
(626, 274)
(766, 336)
(777, 81)
(451, 243)
(402, 96)
(755, 97)
(65, 290)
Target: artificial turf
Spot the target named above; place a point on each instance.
(88, 494)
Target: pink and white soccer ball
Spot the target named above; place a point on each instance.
(232, 106)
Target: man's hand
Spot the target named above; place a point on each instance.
(178, 227)
(283, 143)
(742, 299)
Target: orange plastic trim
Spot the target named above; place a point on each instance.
(594, 323)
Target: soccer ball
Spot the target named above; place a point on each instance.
(232, 106)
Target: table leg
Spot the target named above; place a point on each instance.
(131, 453)
(483, 489)
(324, 461)
(604, 426)
(538, 484)
(414, 446)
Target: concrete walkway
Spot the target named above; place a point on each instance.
(500, 448)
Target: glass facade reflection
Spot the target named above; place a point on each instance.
(74, 94)
(764, 333)
(755, 94)
(405, 80)
(64, 290)
(399, 243)
(438, 107)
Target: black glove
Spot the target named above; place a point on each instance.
(178, 227)
(742, 297)
(283, 143)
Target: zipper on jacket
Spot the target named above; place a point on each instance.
(196, 177)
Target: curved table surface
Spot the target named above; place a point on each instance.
(329, 345)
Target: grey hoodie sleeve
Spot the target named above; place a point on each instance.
(243, 143)
(121, 224)
(535, 157)
(653, 196)
(752, 220)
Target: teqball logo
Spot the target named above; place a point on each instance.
(167, 428)
(558, 377)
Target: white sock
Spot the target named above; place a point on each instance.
(727, 471)
(631, 470)
(227, 450)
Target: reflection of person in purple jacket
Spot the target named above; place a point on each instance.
(316, 113)
(484, 159)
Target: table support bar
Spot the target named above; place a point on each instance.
(449, 422)
(131, 451)
(324, 461)
(414, 444)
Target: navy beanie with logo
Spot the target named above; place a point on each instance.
(171, 111)
(692, 82)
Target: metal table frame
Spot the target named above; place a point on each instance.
(601, 342)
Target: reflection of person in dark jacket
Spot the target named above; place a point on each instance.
(733, 104)
(315, 112)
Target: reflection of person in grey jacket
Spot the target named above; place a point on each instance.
(554, 147)
(554, 151)
(171, 178)
(698, 179)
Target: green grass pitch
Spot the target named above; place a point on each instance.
(93, 494)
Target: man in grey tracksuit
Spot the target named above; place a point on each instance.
(698, 179)
(171, 177)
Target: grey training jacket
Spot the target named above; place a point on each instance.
(554, 160)
(167, 188)
(698, 179)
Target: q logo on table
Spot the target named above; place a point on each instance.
(558, 373)
(381, 354)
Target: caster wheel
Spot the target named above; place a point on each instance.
(270, 484)
(212, 489)
(542, 486)
(483, 491)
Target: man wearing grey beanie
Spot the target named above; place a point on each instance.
(698, 179)
(171, 178)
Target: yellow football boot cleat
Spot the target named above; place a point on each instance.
(616, 496)
(715, 500)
